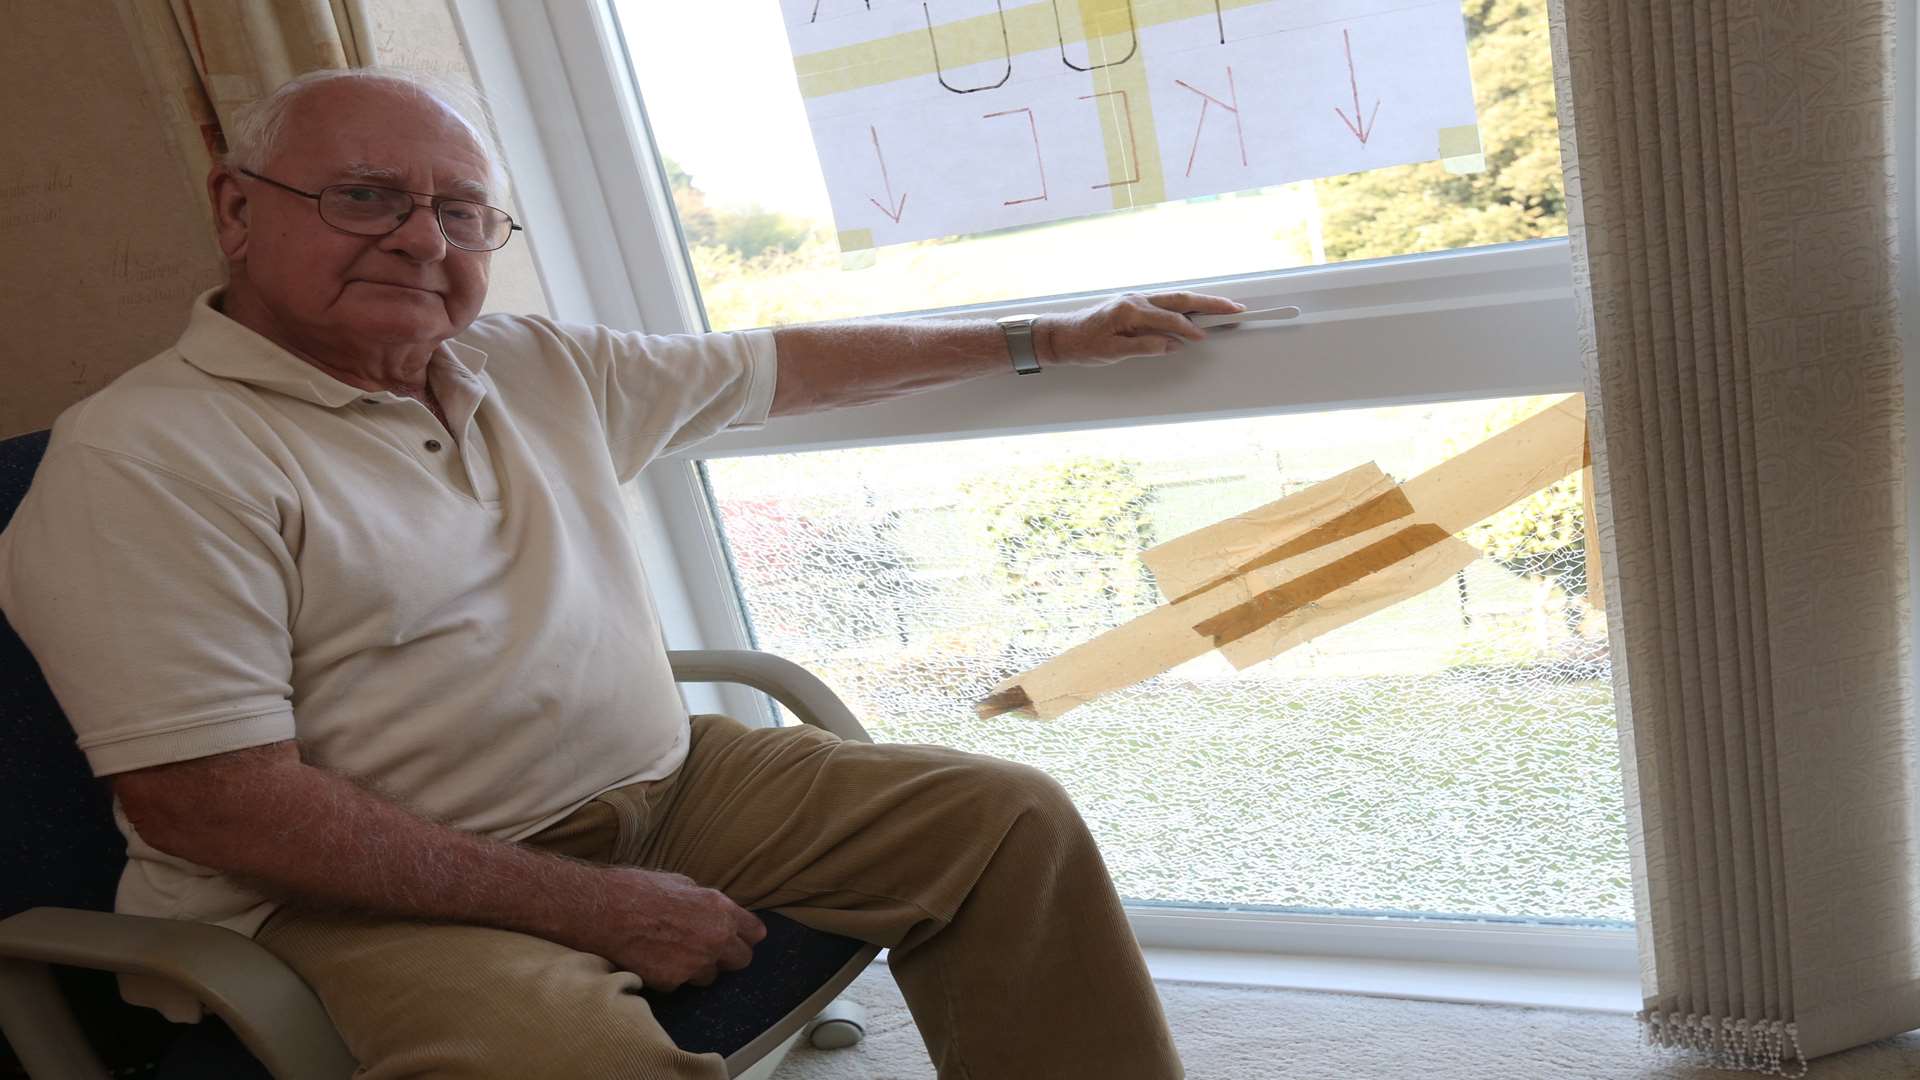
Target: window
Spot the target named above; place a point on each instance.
(1466, 762)
(1454, 753)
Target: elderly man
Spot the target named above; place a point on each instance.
(339, 592)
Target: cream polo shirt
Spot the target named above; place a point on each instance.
(227, 548)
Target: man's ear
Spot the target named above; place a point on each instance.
(230, 211)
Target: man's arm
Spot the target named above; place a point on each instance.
(315, 839)
(830, 365)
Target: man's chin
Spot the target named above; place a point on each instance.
(401, 321)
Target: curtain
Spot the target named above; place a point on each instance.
(207, 58)
(1728, 163)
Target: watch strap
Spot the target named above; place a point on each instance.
(1019, 332)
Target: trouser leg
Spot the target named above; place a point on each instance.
(430, 1000)
(1009, 942)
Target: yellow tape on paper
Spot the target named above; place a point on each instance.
(1460, 149)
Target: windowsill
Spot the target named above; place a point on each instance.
(1464, 984)
(1475, 984)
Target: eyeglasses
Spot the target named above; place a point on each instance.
(367, 210)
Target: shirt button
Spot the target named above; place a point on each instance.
(433, 446)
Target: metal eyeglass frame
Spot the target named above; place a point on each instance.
(435, 202)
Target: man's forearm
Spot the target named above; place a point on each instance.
(858, 363)
(315, 839)
(831, 365)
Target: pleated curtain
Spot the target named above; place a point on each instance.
(1728, 163)
(204, 59)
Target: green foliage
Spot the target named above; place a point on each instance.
(1067, 539)
(740, 292)
(749, 232)
(1519, 196)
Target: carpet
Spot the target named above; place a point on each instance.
(1244, 1033)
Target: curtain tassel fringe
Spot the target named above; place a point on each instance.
(1746, 1045)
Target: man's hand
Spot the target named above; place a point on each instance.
(1132, 324)
(669, 930)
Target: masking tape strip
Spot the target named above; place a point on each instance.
(1269, 606)
(1129, 653)
(1492, 475)
(1459, 141)
(1183, 564)
(1287, 601)
(855, 240)
(1374, 512)
(1460, 151)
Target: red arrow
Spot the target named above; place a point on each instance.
(895, 210)
(1360, 130)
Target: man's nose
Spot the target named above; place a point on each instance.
(418, 237)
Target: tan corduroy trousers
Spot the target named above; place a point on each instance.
(1009, 943)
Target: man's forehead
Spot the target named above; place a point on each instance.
(387, 135)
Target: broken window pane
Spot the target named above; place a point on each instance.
(1454, 753)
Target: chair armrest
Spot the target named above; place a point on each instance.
(785, 681)
(272, 1011)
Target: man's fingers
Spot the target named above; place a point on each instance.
(749, 926)
(734, 955)
(1204, 303)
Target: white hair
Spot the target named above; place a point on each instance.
(259, 126)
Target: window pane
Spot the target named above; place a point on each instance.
(721, 94)
(1454, 753)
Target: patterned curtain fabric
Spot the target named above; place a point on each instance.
(1729, 166)
(209, 57)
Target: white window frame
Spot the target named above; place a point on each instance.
(1488, 322)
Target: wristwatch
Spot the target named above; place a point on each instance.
(1019, 331)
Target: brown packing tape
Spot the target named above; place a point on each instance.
(1269, 606)
(1185, 564)
(1404, 580)
(1462, 491)
(1371, 514)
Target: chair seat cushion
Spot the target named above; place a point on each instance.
(790, 964)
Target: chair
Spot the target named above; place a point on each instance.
(61, 855)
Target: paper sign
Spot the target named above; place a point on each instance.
(944, 117)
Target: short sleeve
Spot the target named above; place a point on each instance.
(156, 605)
(660, 394)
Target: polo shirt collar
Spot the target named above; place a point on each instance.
(225, 349)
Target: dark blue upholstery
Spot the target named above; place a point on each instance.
(59, 847)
